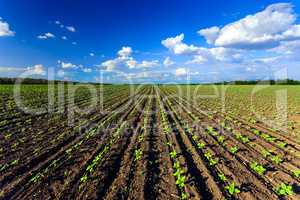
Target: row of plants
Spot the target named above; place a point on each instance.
(178, 170)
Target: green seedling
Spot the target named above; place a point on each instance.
(138, 154)
(221, 139)
(276, 159)
(200, 145)
(234, 150)
(178, 173)
(296, 173)
(210, 129)
(180, 181)
(183, 196)
(222, 177)
(256, 132)
(141, 138)
(176, 165)
(284, 190)
(173, 154)
(259, 169)
(208, 155)
(282, 145)
(232, 189)
(266, 153)
(212, 162)
(195, 137)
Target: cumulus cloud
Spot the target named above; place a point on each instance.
(67, 65)
(176, 45)
(263, 30)
(46, 36)
(210, 34)
(36, 70)
(5, 29)
(181, 71)
(200, 55)
(132, 63)
(125, 52)
(92, 54)
(148, 64)
(125, 60)
(64, 38)
(168, 62)
(71, 28)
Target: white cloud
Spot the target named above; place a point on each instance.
(23, 71)
(168, 62)
(36, 70)
(64, 37)
(176, 45)
(125, 60)
(57, 22)
(265, 29)
(46, 36)
(181, 71)
(74, 43)
(11, 69)
(92, 54)
(111, 65)
(210, 34)
(5, 29)
(71, 28)
(66, 65)
(125, 52)
(198, 59)
(87, 70)
(148, 64)
(132, 63)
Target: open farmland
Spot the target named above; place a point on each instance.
(150, 142)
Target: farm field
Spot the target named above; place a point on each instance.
(150, 142)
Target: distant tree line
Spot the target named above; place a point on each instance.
(262, 82)
(29, 81)
(239, 82)
(40, 81)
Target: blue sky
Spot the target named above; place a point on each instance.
(150, 41)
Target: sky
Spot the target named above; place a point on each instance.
(157, 41)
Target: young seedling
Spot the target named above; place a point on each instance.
(180, 181)
(232, 189)
(212, 162)
(200, 145)
(282, 145)
(222, 177)
(210, 129)
(138, 154)
(221, 139)
(195, 137)
(276, 159)
(234, 150)
(183, 196)
(256, 132)
(296, 173)
(284, 190)
(173, 154)
(266, 153)
(259, 169)
(141, 138)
